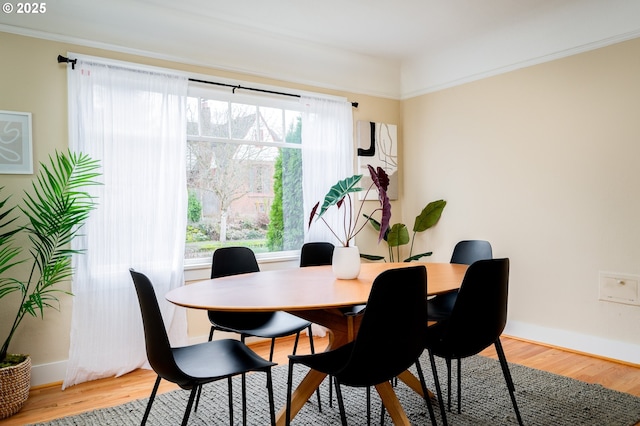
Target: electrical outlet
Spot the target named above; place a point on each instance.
(620, 288)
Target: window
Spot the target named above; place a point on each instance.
(244, 172)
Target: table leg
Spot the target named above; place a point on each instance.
(392, 404)
(341, 330)
(412, 381)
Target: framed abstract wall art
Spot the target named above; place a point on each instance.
(16, 147)
(378, 146)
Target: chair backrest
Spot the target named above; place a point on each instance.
(479, 314)
(468, 251)
(389, 339)
(157, 343)
(316, 254)
(233, 261)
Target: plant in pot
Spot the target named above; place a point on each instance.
(54, 210)
(397, 235)
(346, 258)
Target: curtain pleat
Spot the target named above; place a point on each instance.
(327, 157)
(133, 121)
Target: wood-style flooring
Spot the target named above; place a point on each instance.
(50, 402)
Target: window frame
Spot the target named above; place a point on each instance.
(218, 93)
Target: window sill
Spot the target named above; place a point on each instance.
(200, 269)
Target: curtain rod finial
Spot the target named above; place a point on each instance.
(62, 59)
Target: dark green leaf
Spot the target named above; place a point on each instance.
(398, 235)
(418, 256)
(371, 257)
(339, 191)
(429, 216)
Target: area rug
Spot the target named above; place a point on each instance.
(543, 398)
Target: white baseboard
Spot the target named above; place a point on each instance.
(44, 374)
(597, 346)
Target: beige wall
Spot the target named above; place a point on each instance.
(31, 80)
(544, 163)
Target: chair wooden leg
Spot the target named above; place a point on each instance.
(438, 389)
(187, 412)
(508, 378)
(151, 398)
(425, 392)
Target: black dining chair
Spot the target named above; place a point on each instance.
(190, 367)
(320, 253)
(271, 325)
(317, 254)
(465, 252)
(388, 342)
(477, 320)
(439, 307)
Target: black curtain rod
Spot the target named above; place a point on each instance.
(237, 86)
(62, 59)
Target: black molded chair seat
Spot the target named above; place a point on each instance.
(439, 307)
(216, 360)
(388, 342)
(241, 260)
(476, 322)
(268, 324)
(190, 367)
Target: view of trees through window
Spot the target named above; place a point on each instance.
(244, 175)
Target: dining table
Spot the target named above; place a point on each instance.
(315, 294)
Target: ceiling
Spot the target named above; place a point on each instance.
(381, 47)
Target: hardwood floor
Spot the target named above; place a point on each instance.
(50, 402)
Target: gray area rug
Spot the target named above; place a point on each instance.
(543, 399)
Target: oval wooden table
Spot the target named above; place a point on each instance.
(313, 293)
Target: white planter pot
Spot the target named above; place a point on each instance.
(346, 262)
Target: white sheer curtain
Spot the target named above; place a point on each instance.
(327, 156)
(133, 121)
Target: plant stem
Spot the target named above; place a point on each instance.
(330, 229)
(19, 315)
(413, 238)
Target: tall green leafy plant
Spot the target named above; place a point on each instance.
(397, 235)
(55, 209)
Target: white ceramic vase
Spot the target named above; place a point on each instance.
(346, 262)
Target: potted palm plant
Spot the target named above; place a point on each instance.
(346, 258)
(54, 210)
